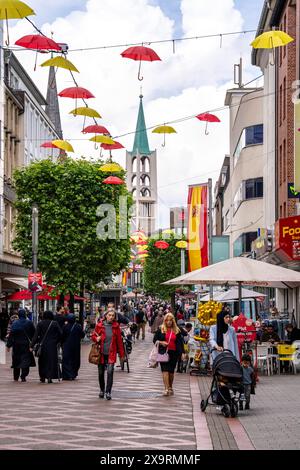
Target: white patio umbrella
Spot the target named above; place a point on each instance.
(241, 271)
(233, 294)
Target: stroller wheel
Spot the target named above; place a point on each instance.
(226, 411)
(234, 410)
(203, 405)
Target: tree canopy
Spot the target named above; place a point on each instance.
(160, 266)
(68, 194)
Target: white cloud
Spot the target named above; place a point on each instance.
(192, 80)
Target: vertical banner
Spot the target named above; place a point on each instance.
(197, 227)
(297, 146)
(124, 278)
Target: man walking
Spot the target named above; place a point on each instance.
(140, 320)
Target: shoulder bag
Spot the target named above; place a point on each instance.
(37, 349)
(95, 354)
(165, 356)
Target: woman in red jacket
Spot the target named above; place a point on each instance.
(108, 334)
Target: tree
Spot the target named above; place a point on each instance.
(68, 194)
(160, 266)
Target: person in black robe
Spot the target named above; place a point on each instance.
(71, 341)
(20, 336)
(48, 334)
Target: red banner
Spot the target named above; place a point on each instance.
(197, 227)
(35, 282)
(287, 237)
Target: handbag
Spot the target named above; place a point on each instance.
(95, 354)
(165, 356)
(37, 348)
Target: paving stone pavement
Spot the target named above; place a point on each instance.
(69, 415)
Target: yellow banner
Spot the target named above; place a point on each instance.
(197, 227)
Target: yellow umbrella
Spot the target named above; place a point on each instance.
(270, 40)
(181, 244)
(60, 62)
(13, 9)
(111, 168)
(168, 231)
(164, 130)
(102, 139)
(63, 145)
(85, 111)
(142, 247)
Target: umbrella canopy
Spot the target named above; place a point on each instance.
(161, 245)
(115, 146)
(49, 145)
(111, 168)
(38, 42)
(76, 92)
(164, 130)
(113, 180)
(182, 244)
(14, 9)
(233, 294)
(95, 129)
(140, 53)
(243, 271)
(102, 139)
(85, 111)
(207, 117)
(271, 39)
(63, 145)
(60, 62)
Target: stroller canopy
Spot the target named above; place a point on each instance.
(226, 364)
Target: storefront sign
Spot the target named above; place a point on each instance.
(292, 193)
(35, 282)
(287, 237)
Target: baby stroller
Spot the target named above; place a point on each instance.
(227, 384)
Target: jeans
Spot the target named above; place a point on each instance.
(24, 373)
(110, 374)
(247, 391)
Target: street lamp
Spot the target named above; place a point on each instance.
(35, 243)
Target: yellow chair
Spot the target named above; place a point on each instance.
(286, 352)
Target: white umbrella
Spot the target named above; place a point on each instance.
(233, 294)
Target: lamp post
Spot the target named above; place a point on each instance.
(35, 243)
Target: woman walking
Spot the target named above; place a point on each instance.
(20, 336)
(223, 336)
(108, 335)
(48, 334)
(170, 340)
(72, 334)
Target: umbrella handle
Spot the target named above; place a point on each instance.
(164, 143)
(140, 78)
(101, 152)
(272, 63)
(35, 63)
(96, 146)
(6, 20)
(206, 131)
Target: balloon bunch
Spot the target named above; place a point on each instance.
(208, 311)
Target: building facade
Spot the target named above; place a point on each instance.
(141, 166)
(242, 211)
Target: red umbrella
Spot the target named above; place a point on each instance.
(208, 118)
(114, 146)
(113, 180)
(162, 245)
(76, 92)
(143, 242)
(140, 53)
(95, 129)
(38, 42)
(48, 145)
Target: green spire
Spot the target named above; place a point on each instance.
(141, 144)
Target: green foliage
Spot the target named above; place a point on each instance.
(160, 266)
(68, 194)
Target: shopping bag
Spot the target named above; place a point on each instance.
(152, 361)
(95, 354)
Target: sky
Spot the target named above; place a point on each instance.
(190, 81)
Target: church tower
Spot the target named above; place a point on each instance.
(141, 181)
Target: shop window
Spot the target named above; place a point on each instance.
(252, 135)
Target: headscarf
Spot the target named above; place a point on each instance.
(18, 325)
(71, 318)
(48, 315)
(222, 327)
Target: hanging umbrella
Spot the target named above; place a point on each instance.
(270, 40)
(143, 242)
(76, 92)
(63, 145)
(141, 246)
(113, 180)
(208, 118)
(38, 42)
(114, 146)
(102, 139)
(95, 129)
(168, 231)
(13, 9)
(85, 111)
(140, 53)
(49, 145)
(182, 244)
(161, 245)
(60, 62)
(111, 168)
(164, 130)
